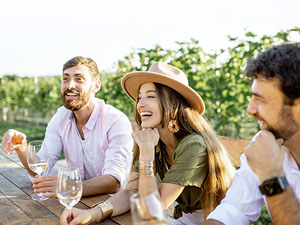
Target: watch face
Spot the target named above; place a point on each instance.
(273, 186)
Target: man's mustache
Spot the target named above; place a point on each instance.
(257, 117)
(71, 91)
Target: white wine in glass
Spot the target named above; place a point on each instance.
(147, 209)
(37, 164)
(68, 186)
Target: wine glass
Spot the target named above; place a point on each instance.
(147, 209)
(68, 186)
(37, 163)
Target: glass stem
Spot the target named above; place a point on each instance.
(70, 213)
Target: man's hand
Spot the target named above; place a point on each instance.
(45, 184)
(265, 155)
(12, 140)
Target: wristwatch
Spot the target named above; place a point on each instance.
(273, 186)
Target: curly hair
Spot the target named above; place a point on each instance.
(281, 62)
(88, 62)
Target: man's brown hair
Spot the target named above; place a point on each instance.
(88, 62)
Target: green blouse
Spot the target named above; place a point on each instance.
(189, 169)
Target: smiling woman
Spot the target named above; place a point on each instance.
(173, 142)
(148, 106)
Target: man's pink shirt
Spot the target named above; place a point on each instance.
(107, 136)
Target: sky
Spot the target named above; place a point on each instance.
(37, 37)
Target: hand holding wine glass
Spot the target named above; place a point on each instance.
(68, 187)
(147, 209)
(36, 163)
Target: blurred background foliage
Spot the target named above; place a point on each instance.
(217, 76)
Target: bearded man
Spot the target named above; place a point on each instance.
(94, 136)
(269, 173)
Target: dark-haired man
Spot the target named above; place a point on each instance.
(94, 136)
(269, 172)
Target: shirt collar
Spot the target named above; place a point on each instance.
(289, 160)
(93, 118)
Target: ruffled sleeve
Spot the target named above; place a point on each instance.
(190, 164)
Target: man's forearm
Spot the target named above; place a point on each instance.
(22, 154)
(284, 208)
(106, 184)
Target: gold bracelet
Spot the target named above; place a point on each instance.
(146, 168)
(106, 208)
(146, 173)
(143, 164)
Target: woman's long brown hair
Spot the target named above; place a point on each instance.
(220, 169)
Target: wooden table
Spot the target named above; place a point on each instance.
(17, 207)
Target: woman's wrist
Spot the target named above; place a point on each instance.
(102, 211)
(96, 214)
(146, 168)
(146, 155)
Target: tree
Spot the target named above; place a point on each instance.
(218, 77)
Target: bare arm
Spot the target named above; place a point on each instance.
(105, 184)
(120, 202)
(15, 140)
(147, 139)
(168, 192)
(22, 154)
(284, 208)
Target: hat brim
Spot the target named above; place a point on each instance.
(131, 83)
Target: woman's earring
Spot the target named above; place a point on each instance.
(173, 126)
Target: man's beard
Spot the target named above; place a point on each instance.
(286, 126)
(74, 105)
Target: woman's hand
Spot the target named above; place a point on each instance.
(146, 139)
(80, 216)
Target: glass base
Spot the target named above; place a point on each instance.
(38, 197)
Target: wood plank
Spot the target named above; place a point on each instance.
(15, 183)
(92, 200)
(234, 147)
(123, 219)
(10, 212)
(12, 171)
(22, 201)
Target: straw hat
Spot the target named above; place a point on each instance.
(163, 74)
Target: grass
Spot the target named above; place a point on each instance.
(264, 218)
(32, 132)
